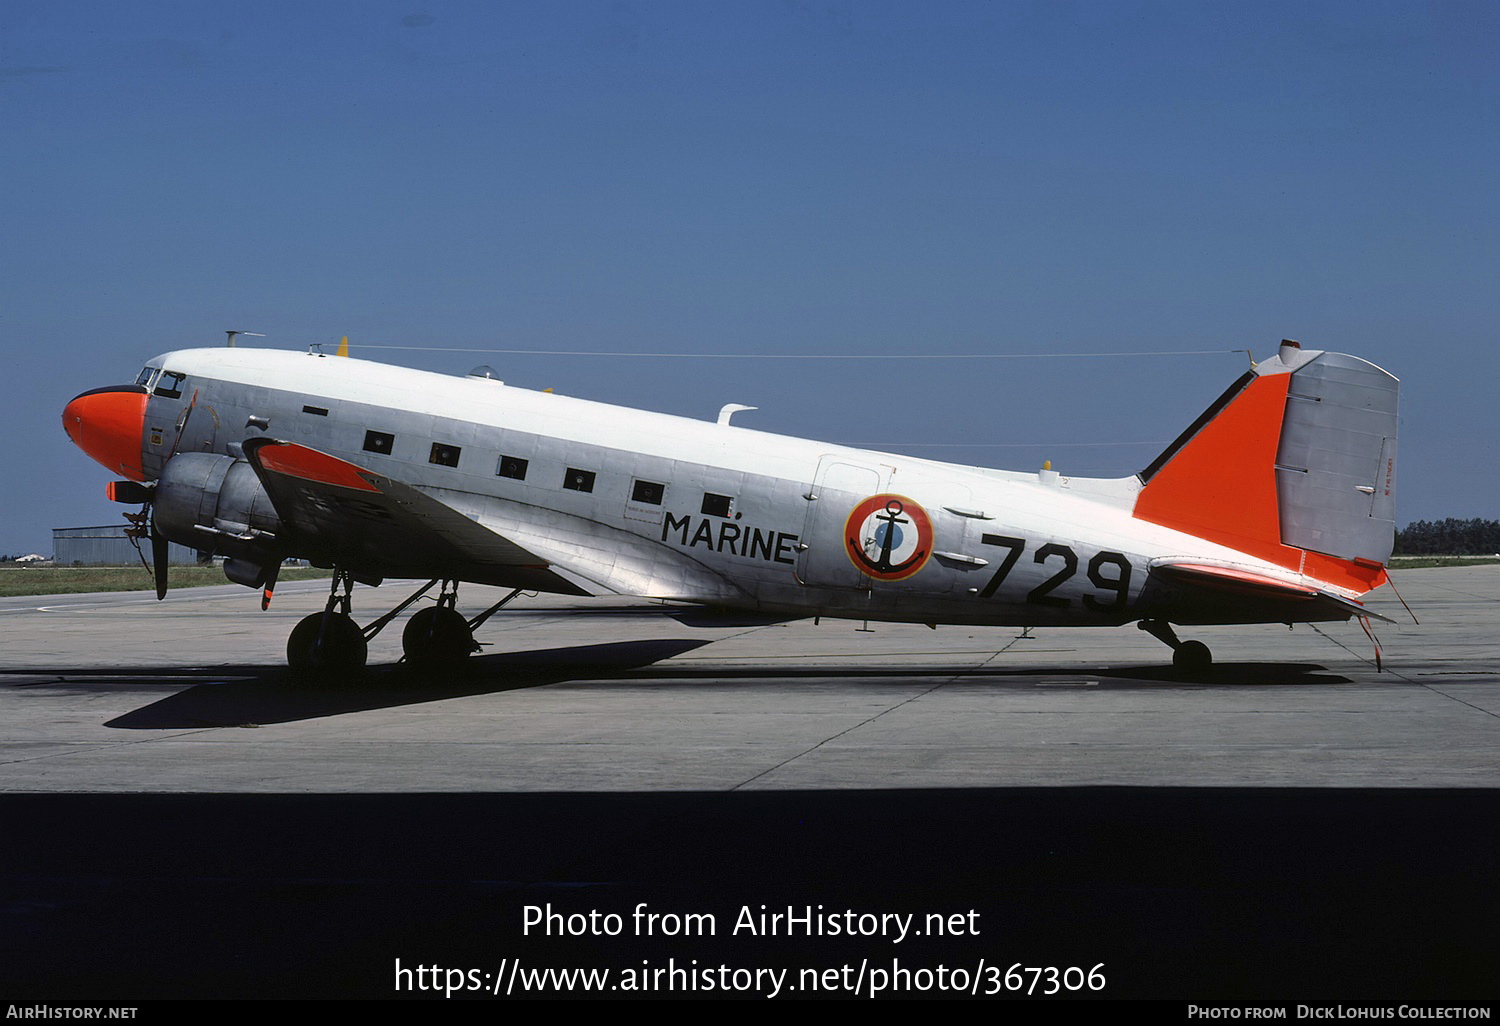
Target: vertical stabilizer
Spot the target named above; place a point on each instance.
(1295, 464)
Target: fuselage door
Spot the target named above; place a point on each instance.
(837, 488)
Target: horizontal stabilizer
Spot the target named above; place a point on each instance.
(1250, 585)
(1239, 582)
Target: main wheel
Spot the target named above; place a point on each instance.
(437, 636)
(326, 641)
(1192, 659)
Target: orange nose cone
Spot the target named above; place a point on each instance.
(108, 423)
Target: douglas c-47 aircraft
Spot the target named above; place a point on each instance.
(1274, 506)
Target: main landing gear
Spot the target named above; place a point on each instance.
(329, 640)
(436, 637)
(1189, 658)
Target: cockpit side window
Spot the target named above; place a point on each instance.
(169, 385)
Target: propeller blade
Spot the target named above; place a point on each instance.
(159, 562)
(269, 586)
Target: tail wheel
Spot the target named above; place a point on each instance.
(437, 636)
(326, 641)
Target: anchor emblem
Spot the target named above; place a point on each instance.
(888, 537)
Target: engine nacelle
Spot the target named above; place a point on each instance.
(216, 502)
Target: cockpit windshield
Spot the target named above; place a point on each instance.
(168, 385)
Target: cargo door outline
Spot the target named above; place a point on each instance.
(838, 486)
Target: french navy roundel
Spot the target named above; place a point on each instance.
(888, 537)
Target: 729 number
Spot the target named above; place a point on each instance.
(1115, 582)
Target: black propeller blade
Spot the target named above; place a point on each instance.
(159, 561)
(143, 527)
(269, 585)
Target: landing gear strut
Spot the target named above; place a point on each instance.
(329, 640)
(1189, 658)
(437, 636)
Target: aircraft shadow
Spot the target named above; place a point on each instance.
(1231, 674)
(1220, 675)
(257, 694)
(278, 696)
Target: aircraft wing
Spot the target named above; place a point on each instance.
(341, 514)
(1235, 584)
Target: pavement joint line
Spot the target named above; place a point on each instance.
(1460, 701)
(83, 747)
(1398, 674)
(872, 719)
(1361, 657)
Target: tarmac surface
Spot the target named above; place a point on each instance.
(186, 819)
(121, 693)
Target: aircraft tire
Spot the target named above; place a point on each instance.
(1192, 659)
(437, 636)
(343, 645)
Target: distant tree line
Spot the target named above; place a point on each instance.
(1450, 537)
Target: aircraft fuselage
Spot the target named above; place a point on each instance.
(631, 502)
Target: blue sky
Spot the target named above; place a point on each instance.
(862, 178)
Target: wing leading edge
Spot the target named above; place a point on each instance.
(342, 514)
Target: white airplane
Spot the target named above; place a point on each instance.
(1274, 506)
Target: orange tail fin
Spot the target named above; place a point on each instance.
(1294, 464)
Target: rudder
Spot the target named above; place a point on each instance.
(1336, 464)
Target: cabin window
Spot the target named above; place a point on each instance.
(579, 480)
(444, 455)
(716, 505)
(512, 467)
(648, 492)
(169, 385)
(379, 441)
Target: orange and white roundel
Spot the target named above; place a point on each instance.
(888, 537)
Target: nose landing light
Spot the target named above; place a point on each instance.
(107, 423)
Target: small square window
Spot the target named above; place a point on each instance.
(512, 466)
(648, 492)
(579, 480)
(379, 441)
(444, 455)
(716, 505)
